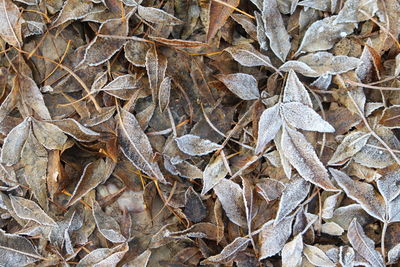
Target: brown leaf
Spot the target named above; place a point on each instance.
(229, 251)
(29, 210)
(218, 15)
(49, 135)
(136, 146)
(10, 28)
(164, 93)
(14, 142)
(73, 10)
(155, 15)
(194, 206)
(213, 173)
(390, 117)
(104, 256)
(76, 130)
(247, 56)
(107, 225)
(241, 84)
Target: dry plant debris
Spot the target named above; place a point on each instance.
(199, 132)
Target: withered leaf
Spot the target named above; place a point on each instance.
(136, 146)
(107, 225)
(323, 34)
(94, 174)
(73, 10)
(49, 135)
(104, 256)
(295, 91)
(135, 52)
(164, 93)
(302, 156)
(200, 230)
(14, 142)
(17, 250)
(218, 15)
(350, 145)
(390, 117)
(76, 130)
(273, 236)
(292, 252)
(293, 194)
(229, 251)
(10, 28)
(213, 173)
(241, 84)
(121, 87)
(356, 11)
(231, 197)
(29, 210)
(196, 146)
(299, 67)
(317, 257)
(195, 209)
(268, 126)
(329, 205)
(361, 192)
(394, 254)
(158, 16)
(275, 30)
(247, 56)
(303, 117)
(363, 244)
(141, 260)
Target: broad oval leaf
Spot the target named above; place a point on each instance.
(241, 84)
(302, 156)
(14, 142)
(350, 145)
(356, 11)
(49, 135)
(196, 146)
(292, 252)
(303, 117)
(247, 56)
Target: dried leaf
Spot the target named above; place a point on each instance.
(218, 15)
(14, 142)
(390, 117)
(121, 87)
(363, 193)
(303, 117)
(195, 209)
(140, 261)
(10, 29)
(107, 225)
(49, 135)
(93, 174)
(164, 93)
(29, 210)
(76, 130)
(247, 56)
(302, 156)
(317, 257)
(158, 16)
(135, 52)
(394, 254)
(16, 250)
(104, 256)
(299, 67)
(195, 146)
(295, 91)
(214, 172)
(268, 126)
(241, 84)
(293, 194)
(231, 197)
(274, 236)
(363, 244)
(292, 252)
(275, 30)
(350, 145)
(136, 146)
(73, 10)
(229, 251)
(356, 11)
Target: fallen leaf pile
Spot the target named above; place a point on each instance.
(199, 132)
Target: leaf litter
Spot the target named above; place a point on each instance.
(222, 132)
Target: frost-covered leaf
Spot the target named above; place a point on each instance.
(299, 67)
(329, 205)
(121, 87)
(394, 254)
(302, 156)
(10, 28)
(268, 126)
(16, 250)
(73, 10)
(158, 16)
(107, 225)
(136, 146)
(326, 63)
(295, 91)
(363, 193)
(363, 244)
(241, 84)
(390, 117)
(303, 117)
(231, 197)
(292, 252)
(213, 173)
(323, 34)
(14, 142)
(275, 29)
(317, 257)
(104, 256)
(247, 56)
(195, 209)
(49, 135)
(28, 210)
(293, 194)
(229, 251)
(140, 261)
(164, 93)
(350, 145)
(357, 11)
(195, 146)
(76, 130)
(273, 236)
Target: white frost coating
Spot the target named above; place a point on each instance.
(195, 146)
(241, 84)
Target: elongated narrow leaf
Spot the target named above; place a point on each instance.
(303, 117)
(295, 90)
(231, 196)
(275, 29)
(164, 93)
(247, 56)
(363, 193)
(155, 15)
(302, 156)
(104, 256)
(32, 96)
(76, 130)
(16, 250)
(363, 244)
(268, 126)
(229, 251)
(10, 28)
(107, 225)
(14, 142)
(195, 146)
(241, 84)
(29, 210)
(136, 146)
(121, 87)
(219, 13)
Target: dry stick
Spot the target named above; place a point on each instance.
(61, 60)
(372, 131)
(77, 78)
(371, 86)
(234, 8)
